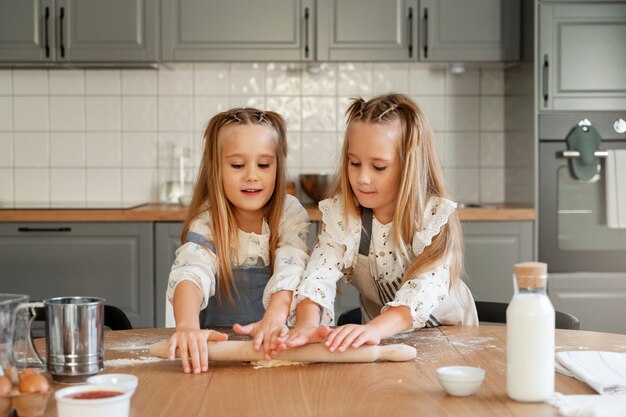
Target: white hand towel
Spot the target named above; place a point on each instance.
(590, 405)
(603, 371)
(615, 183)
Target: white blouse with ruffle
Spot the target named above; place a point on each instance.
(336, 253)
(198, 264)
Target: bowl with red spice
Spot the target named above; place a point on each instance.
(92, 400)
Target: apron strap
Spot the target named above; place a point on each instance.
(200, 240)
(366, 231)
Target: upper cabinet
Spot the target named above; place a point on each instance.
(367, 30)
(582, 56)
(242, 30)
(58, 31)
(477, 30)
(340, 30)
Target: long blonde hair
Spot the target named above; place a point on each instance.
(421, 177)
(209, 191)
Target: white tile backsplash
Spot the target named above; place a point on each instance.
(31, 149)
(319, 114)
(6, 113)
(6, 82)
(6, 186)
(355, 79)
(139, 185)
(64, 82)
(461, 149)
(175, 80)
(283, 79)
(427, 80)
(30, 82)
(6, 149)
(32, 185)
(103, 82)
(467, 83)
(247, 79)
(139, 150)
(211, 79)
(67, 114)
(30, 113)
(175, 113)
(67, 149)
(103, 113)
(103, 149)
(139, 114)
(462, 113)
(67, 185)
(118, 127)
(290, 108)
(104, 185)
(390, 77)
(139, 82)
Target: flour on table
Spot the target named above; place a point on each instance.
(131, 362)
(273, 363)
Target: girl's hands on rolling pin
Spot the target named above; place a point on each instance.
(193, 348)
(352, 335)
(267, 333)
(301, 335)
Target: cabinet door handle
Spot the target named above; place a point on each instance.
(44, 229)
(426, 32)
(306, 32)
(410, 30)
(47, 41)
(61, 19)
(544, 84)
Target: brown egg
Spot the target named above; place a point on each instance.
(33, 383)
(26, 372)
(5, 385)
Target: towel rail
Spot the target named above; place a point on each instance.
(576, 154)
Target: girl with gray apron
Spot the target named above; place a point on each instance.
(374, 294)
(247, 304)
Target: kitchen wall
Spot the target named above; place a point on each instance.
(86, 135)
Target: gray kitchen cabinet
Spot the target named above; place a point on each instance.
(59, 31)
(581, 56)
(109, 260)
(166, 241)
(491, 250)
(598, 300)
(367, 30)
(242, 30)
(477, 30)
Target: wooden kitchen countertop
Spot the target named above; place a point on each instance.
(339, 389)
(175, 213)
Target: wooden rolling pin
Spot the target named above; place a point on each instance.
(242, 351)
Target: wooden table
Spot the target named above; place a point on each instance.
(324, 389)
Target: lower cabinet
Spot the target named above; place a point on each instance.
(166, 241)
(491, 250)
(597, 299)
(109, 260)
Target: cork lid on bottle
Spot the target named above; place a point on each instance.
(531, 274)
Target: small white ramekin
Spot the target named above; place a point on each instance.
(118, 406)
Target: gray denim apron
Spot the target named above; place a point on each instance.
(248, 300)
(374, 293)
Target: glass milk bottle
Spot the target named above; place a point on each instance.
(530, 336)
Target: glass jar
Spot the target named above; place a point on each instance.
(530, 323)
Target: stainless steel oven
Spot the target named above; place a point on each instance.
(573, 235)
(586, 259)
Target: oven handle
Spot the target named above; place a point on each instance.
(576, 154)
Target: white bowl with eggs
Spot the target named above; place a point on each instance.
(460, 381)
(85, 401)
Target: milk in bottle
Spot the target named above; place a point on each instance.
(530, 336)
